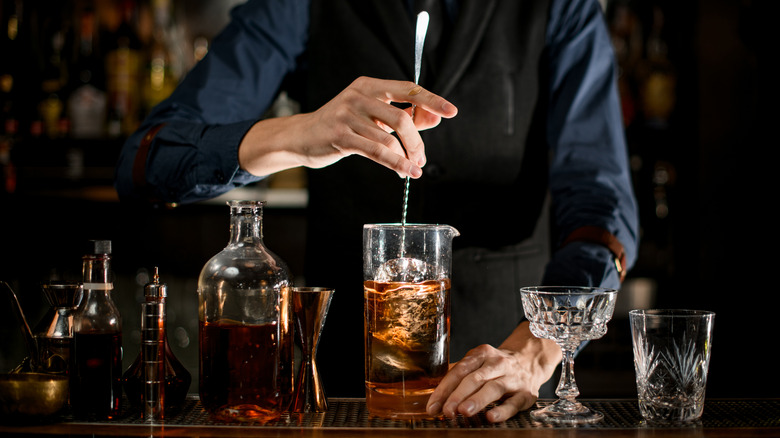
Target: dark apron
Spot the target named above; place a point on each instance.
(486, 173)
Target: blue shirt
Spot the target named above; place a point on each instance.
(195, 155)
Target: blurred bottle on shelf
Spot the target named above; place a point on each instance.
(10, 48)
(658, 81)
(122, 65)
(7, 168)
(626, 35)
(647, 82)
(164, 64)
(92, 69)
(55, 30)
(87, 101)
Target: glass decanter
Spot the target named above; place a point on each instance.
(245, 325)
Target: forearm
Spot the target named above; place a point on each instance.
(273, 145)
(358, 121)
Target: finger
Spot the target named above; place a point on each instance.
(412, 143)
(404, 91)
(442, 395)
(487, 393)
(389, 117)
(381, 154)
(511, 406)
(482, 386)
(373, 120)
(477, 390)
(378, 134)
(500, 379)
(424, 120)
(432, 107)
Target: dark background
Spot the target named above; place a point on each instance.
(703, 176)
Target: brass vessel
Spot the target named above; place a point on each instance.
(32, 394)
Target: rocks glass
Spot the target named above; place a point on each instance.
(671, 358)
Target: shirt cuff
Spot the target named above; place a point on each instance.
(218, 158)
(582, 264)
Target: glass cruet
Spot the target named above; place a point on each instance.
(245, 325)
(96, 368)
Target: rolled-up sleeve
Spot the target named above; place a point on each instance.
(194, 155)
(590, 180)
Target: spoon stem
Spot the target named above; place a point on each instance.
(419, 41)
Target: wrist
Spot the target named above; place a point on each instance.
(267, 146)
(545, 355)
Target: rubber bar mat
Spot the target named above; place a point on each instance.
(352, 413)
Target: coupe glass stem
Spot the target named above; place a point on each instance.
(567, 386)
(568, 316)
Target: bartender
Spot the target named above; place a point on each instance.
(532, 171)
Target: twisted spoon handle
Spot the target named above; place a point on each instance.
(419, 40)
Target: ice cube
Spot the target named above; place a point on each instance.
(391, 362)
(404, 269)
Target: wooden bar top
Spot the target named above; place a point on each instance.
(349, 418)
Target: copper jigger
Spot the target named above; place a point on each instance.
(310, 306)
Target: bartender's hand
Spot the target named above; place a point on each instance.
(359, 120)
(512, 373)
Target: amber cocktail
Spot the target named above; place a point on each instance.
(407, 315)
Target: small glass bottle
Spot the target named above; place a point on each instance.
(157, 357)
(245, 325)
(96, 371)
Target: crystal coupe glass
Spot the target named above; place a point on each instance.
(568, 316)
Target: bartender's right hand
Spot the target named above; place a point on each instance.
(359, 120)
(510, 375)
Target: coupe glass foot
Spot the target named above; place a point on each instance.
(566, 412)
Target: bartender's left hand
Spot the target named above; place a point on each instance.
(512, 373)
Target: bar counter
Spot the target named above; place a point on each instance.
(348, 417)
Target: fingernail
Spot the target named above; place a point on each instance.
(416, 172)
(434, 408)
(468, 407)
(450, 409)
